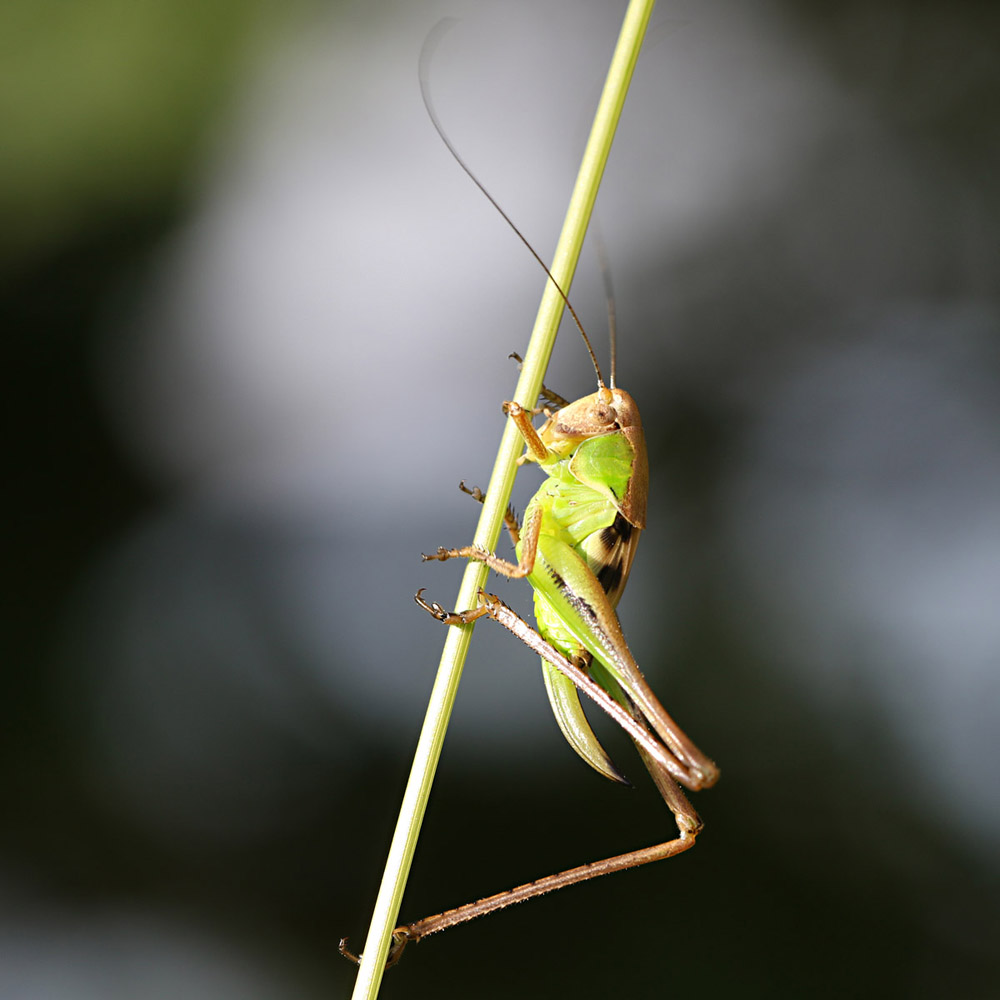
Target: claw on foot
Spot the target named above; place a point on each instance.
(349, 955)
(432, 607)
(400, 938)
(476, 493)
(442, 553)
(449, 617)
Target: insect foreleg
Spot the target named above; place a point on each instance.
(554, 400)
(522, 420)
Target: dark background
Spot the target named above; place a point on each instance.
(256, 327)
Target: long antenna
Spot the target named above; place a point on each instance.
(430, 44)
(609, 295)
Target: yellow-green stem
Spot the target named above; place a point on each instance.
(536, 360)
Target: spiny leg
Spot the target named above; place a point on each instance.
(533, 523)
(656, 751)
(651, 751)
(510, 515)
(529, 548)
(554, 400)
(450, 617)
(539, 887)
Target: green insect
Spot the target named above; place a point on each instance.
(575, 547)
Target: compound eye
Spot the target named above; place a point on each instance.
(605, 415)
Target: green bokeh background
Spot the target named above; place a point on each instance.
(816, 877)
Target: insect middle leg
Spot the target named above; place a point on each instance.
(527, 536)
(509, 517)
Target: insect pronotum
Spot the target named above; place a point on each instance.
(575, 547)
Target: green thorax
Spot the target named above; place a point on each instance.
(584, 490)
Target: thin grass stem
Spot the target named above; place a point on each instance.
(536, 360)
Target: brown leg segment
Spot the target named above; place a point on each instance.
(450, 617)
(510, 515)
(529, 547)
(490, 904)
(552, 398)
(399, 941)
(660, 762)
(522, 419)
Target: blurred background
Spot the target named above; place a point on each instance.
(257, 325)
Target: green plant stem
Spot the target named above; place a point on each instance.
(536, 360)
